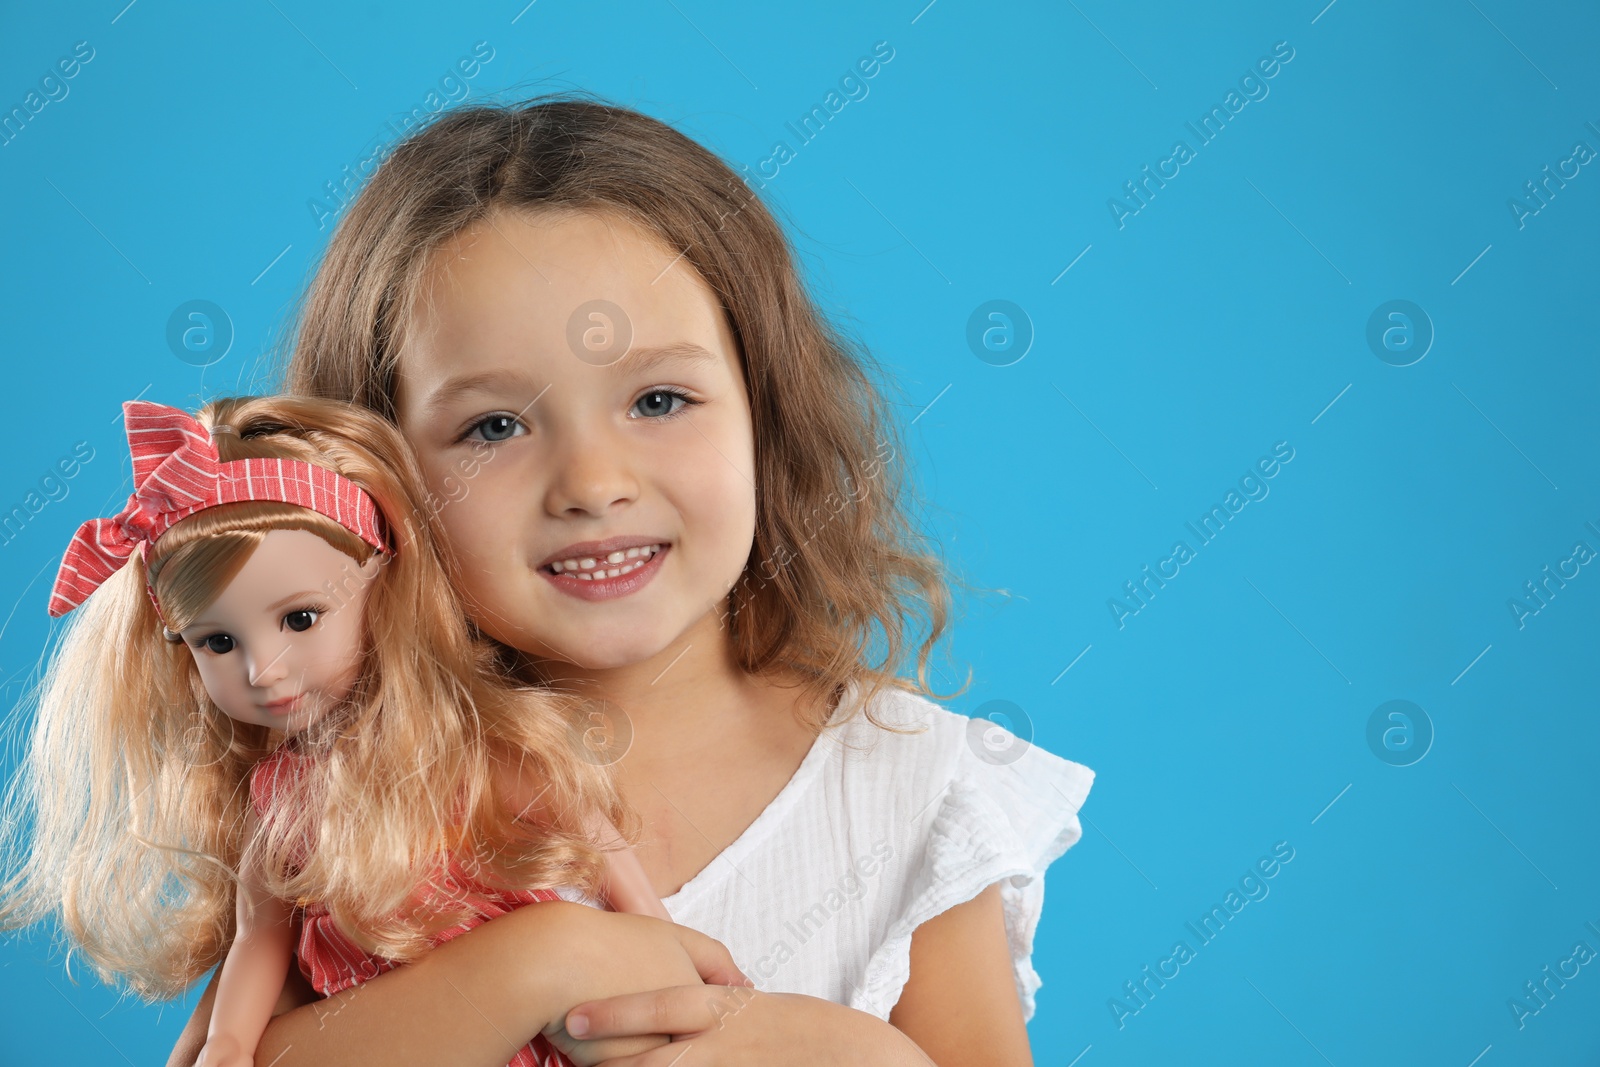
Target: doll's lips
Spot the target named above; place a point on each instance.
(284, 705)
(607, 588)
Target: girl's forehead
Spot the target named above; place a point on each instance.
(527, 288)
(551, 252)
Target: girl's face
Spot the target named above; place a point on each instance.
(577, 402)
(275, 648)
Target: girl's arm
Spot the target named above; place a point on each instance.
(960, 1003)
(475, 1000)
(252, 975)
(958, 1009)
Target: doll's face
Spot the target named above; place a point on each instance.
(536, 437)
(278, 648)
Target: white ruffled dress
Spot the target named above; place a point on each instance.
(877, 833)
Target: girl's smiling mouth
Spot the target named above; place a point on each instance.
(602, 574)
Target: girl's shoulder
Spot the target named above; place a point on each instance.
(927, 809)
(922, 750)
(962, 797)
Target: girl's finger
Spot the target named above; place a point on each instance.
(675, 1010)
(711, 958)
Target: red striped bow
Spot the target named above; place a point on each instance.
(176, 472)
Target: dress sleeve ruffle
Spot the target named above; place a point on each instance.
(1001, 823)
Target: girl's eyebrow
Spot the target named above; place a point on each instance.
(494, 381)
(505, 381)
(681, 351)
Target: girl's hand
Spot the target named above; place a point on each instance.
(711, 959)
(733, 1026)
(624, 953)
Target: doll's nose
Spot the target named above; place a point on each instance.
(268, 671)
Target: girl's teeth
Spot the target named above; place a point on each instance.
(617, 563)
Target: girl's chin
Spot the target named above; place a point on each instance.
(607, 648)
(612, 659)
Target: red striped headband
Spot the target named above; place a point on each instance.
(176, 472)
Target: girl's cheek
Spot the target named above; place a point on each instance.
(478, 524)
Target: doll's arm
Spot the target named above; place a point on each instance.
(251, 976)
(627, 887)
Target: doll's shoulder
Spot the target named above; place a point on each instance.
(272, 773)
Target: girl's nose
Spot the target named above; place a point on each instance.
(591, 475)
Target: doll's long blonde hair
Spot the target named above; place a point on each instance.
(126, 821)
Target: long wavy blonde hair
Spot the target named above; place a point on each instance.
(836, 566)
(127, 818)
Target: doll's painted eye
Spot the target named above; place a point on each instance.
(219, 643)
(300, 621)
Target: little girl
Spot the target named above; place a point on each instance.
(288, 623)
(675, 488)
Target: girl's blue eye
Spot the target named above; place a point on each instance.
(218, 643)
(300, 621)
(495, 428)
(656, 399)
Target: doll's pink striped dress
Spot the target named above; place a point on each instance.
(332, 962)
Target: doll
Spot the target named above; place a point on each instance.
(275, 706)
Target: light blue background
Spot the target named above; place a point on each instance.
(1227, 315)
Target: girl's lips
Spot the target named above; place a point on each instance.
(607, 588)
(282, 707)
